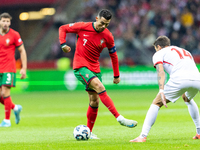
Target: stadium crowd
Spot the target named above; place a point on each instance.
(137, 23)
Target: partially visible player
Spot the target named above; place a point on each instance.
(184, 80)
(9, 41)
(93, 37)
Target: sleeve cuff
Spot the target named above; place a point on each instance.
(63, 45)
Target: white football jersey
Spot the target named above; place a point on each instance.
(177, 62)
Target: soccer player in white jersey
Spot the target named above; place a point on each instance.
(184, 80)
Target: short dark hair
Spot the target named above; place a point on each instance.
(5, 15)
(162, 41)
(105, 13)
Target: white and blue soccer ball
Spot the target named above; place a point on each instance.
(81, 132)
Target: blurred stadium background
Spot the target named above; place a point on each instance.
(135, 26)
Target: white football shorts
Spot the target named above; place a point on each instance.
(173, 89)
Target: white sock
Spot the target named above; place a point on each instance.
(6, 120)
(149, 120)
(120, 118)
(194, 113)
(15, 108)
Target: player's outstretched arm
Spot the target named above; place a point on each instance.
(23, 57)
(68, 28)
(161, 82)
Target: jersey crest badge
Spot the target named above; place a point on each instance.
(87, 75)
(19, 40)
(101, 43)
(71, 24)
(7, 41)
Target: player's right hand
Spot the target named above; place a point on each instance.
(23, 73)
(116, 80)
(164, 101)
(66, 49)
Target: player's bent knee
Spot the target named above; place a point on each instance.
(185, 98)
(94, 103)
(99, 87)
(5, 94)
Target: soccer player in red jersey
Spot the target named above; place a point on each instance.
(9, 41)
(93, 37)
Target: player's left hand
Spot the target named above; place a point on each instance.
(23, 73)
(116, 80)
(164, 101)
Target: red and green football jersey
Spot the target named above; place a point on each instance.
(90, 44)
(8, 44)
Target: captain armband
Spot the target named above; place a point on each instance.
(112, 50)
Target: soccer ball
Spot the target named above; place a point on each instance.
(82, 132)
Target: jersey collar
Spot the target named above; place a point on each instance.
(94, 27)
(5, 33)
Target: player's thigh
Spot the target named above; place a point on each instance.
(8, 79)
(173, 90)
(86, 76)
(97, 85)
(193, 89)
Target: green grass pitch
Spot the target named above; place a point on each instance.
(49, 118)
